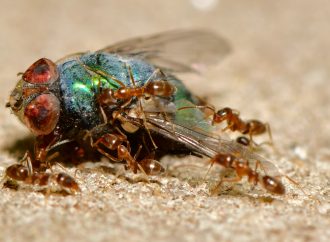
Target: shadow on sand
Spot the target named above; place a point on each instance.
(20, 146)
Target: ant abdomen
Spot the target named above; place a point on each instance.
(67, 182)
(160, 88)
(273, 185)
(255, 127)
(151, 166)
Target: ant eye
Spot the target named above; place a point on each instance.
(41, 72)
(41, 114)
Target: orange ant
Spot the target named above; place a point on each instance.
(242, 168)
(160, 88)
(21, 173)
(114, 142)
(235, 123)
(34, 172)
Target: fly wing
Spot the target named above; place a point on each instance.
(206, 143)
(175, 51)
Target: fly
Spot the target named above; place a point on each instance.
(124, 102)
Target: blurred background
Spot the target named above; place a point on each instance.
(278, 71)
(280, 49)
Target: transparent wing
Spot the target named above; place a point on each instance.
(175, 51)
(203, 142)
(206, 143)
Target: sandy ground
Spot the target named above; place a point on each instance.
(278, 71)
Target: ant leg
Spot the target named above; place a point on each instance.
(155, 72)
(141, 107)
(124, 154)
(208, 170)
(255, 127)
(139, 165)
(110, 142)
(104, 116)
(138, 152)
(270, 136)
(42, 145)
(208, 107)
(216, 189)
(297, 184)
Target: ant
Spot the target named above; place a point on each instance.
(114, 142)
(21, 173)
(28, 175)
(235, 123)
(161, 88)
(242, 168)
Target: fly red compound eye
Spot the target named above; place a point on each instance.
(41, 114)
(43, 71)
